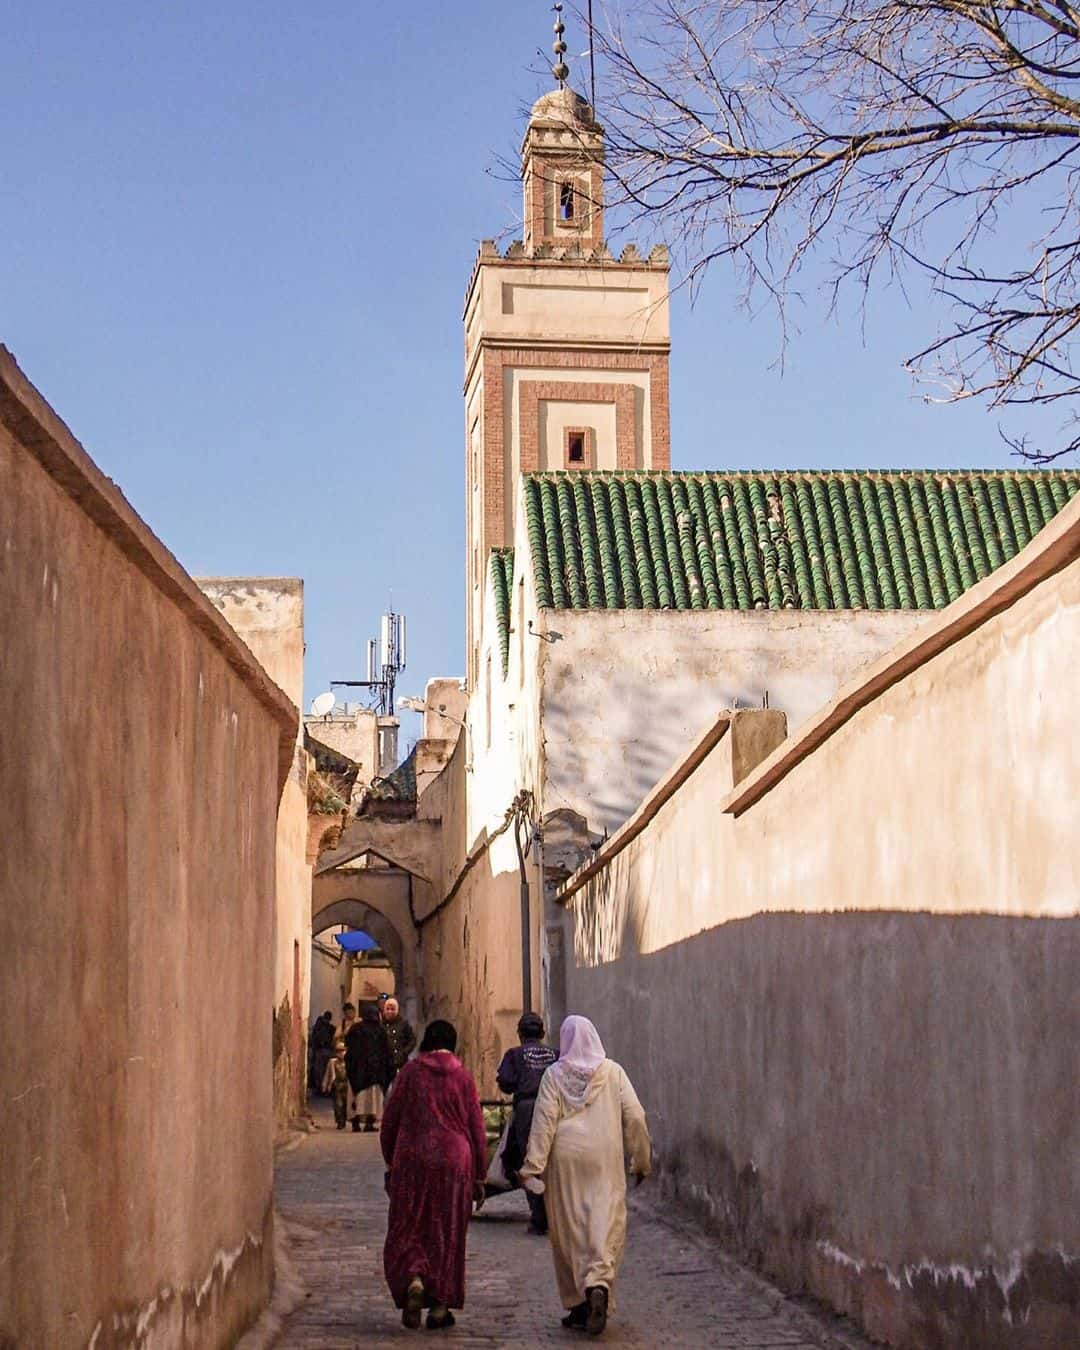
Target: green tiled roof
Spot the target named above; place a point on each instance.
(787, 540)
(399, 784)
(502, 580)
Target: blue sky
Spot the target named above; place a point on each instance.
(236, 239)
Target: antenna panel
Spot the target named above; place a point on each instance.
(386, 652)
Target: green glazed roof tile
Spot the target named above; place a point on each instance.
(502, 581)
(907, 539)
(798, 539)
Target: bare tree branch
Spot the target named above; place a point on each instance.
(939, 135)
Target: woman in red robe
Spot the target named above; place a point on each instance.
(434, 1145)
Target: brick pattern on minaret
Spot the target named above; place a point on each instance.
(560, 336)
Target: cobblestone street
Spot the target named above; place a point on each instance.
(676, 1288)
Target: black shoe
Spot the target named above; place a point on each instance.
(575, 1318)
(341, 1124)
(356, 1125)
(596, 1300)
(369, 1128)
(534, 1231)
(440, 1321)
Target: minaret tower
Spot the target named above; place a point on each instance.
(566, 346)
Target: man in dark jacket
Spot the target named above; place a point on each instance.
(367, 1064)
(519, 1076)
(400, 1035)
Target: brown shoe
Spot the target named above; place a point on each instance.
(414, 1305)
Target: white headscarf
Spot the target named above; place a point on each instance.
(581, 1052)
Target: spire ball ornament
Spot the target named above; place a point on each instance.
(560, 69)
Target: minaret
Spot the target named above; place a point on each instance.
(566, 347)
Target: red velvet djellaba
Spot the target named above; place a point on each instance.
(434, 1145)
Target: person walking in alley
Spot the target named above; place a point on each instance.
(435, 1149)
(519, 1077)
(400, 1034)
(367, 1063)
(335, 1083)
(587, 1124)
(321, 1045)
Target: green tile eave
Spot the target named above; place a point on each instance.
(501, 565)
(807, 539)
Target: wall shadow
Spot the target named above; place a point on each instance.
(879, 1108)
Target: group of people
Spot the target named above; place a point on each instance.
(577, 1127)
(356, 1065)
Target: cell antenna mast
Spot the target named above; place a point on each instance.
(385, 661)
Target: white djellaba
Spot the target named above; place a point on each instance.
(588, 1124)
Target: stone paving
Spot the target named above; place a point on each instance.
(676, 1287)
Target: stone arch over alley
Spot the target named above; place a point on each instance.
(376, 899)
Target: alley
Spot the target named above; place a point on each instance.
(677, 1289)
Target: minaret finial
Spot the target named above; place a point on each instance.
(560, 69)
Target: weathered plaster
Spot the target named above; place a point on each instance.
(268, 614)
(877, 1102)
(626, 692)
(142, 755)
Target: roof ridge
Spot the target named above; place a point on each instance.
(932, 470)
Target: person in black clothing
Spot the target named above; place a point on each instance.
(399, 1033)
(320, 1050)
(367, 1064)
(519, 1076)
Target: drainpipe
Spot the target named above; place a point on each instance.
(522, 822)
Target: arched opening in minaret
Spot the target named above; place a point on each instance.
(566, 202)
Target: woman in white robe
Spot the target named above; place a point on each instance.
(587, 1124)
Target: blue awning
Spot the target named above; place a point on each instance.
(356, 941)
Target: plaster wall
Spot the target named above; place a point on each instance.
(141, 798)
(562, 304)
(354, 734)
(268, 613)
(327, 985)
(878, 958)
(445, 705)
(470, 925)
(626, 692)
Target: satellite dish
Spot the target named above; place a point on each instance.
(323, 704)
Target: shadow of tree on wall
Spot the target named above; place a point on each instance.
(875, 1107)
(606, 750)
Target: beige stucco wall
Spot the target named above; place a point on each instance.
(327, 981)
(268, 613)
(142, 753)
(563, 304)
(355, 734)
(851, 1010)
(469, 920)
(626, 692)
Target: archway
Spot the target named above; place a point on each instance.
(375, 900)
